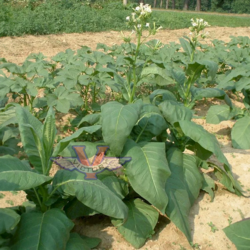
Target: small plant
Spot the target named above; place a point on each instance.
(213, 227)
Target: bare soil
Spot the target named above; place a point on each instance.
(226, 207)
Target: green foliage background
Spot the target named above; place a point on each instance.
(69, 16)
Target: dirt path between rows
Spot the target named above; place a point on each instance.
(226, 207)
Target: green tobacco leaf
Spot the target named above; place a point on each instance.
(148, 165)
(240, 132)
(166, 79)
(116, 185)
(232, 75)
(15, 175)
(49, 134)
(76, 243)
(150, 124)
(163, 94)
(27, 122)
(239, 234)
(39, 231)
(65, 142)
(90, 241)
(75, 209)
(186, 46)
(225, 176)
(91, 119)
(194, 71)
(92, 193)
(211, 66)
(208, 185)
(210, 93)
(203, 138)
(183, 187)
(117, 123)
(8, 220)
(174, 111)
(8, 117)
(139, 226)
(218, 113)
(244, 82)
(80, 242)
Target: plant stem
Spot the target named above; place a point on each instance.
(134, 68)
(38, 199)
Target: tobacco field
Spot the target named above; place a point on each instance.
(138, 100)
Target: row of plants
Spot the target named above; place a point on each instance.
(37, 17)
(135, 99)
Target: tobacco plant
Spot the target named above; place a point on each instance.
(136, 131)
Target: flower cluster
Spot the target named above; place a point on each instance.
(139, 20)
(197, 28)
(140, 16)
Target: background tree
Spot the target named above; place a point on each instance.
(198, 5)
(186, 2)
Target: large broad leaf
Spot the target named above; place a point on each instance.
(117, 123)
(148, 165)
(193, 71)
(139, 226)
(239, 234)
(75, 209)
(92, 193)
(183, 188)
(77, 242)
(211, 66)
(8, 117)
(208, 142)
(218, 113)
(49, 134)
(65, 142)
(8, 220)
(39, 231)
(150, 124)
(235, 73)
(186, 46)
(174, 111)
(208, 185)
(240, 133)
(27, 122)
(15, 175)
(198, 94)
(161, 94)
(91, 119)
(163, 73)
(203, 138)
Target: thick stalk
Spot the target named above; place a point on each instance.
(134, 69)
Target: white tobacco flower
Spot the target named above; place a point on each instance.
(148, 9)
(128, 18)
(194, 24)
(147, 25)
(139, 26)
(137, 8)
